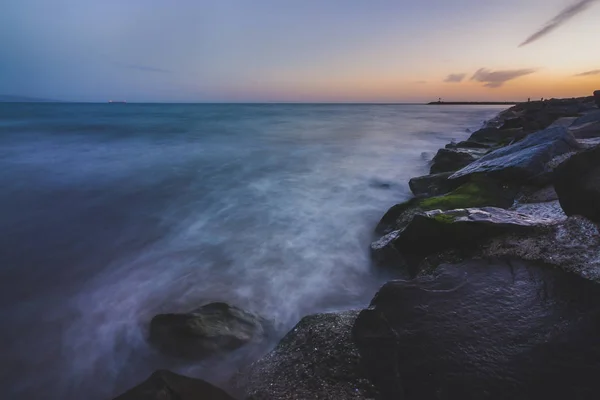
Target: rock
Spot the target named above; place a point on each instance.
(433, 231)
(166, 385)
(467, 144)
(524, 161)
(491, 137)
(213, 328)
(447, 160)
(587, 126)
(577, 183)
(315, 360)
(479, 192)
(535, 195)
(483, 330)
(432, 185)
(597, 97)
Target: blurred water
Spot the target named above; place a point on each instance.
(112, 213)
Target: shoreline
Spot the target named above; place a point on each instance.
(489, 197)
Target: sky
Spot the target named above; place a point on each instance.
(299, 50)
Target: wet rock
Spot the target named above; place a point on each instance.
(536, 195)
(433, 231)
(524, 161)
(315, 360)
(432, 185)
(577, 183)
(211, 329)
(166, 385)
(597, 97)
(483, 330)
(447, 160)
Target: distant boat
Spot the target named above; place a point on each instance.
(117, 101)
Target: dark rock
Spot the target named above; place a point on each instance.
(481, 331)
(597, 97)
(213, 328)
(433, 185)
(166, 385)
(525, 161)
(467, 144)
(536, 195)
(491, 137)
(433, 231)
(315, 360)
(577, 183)
(447, 160)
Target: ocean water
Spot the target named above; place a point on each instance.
(112, 213)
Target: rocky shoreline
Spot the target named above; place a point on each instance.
(503, 246)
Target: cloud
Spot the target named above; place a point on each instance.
(589, 73)
(495, 79)
(455, 78)
(564, 16)
(145, 68)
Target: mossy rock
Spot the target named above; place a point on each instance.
(479, 192)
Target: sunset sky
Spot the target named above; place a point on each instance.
(299, 50)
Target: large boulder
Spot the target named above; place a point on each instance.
(212, 328)
(525, 161)
(433, 231)
(484, 330)
(597, 97)
(166, 385)
(447, 160)
(315, 360)
(577, 183)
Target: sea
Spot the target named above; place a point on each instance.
(113, 213)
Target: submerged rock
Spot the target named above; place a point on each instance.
(434, 231)
(315, 360)
(166, 385)
(577, 183)
(447, 160)
(483, 330)
(525, 161)
(213, 328)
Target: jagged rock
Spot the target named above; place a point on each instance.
(315, 360)
(525, 161)
(447, 160)
(432, 185)
(597, 97)
(577, 183)
(483, 330)
(212, 328)
(433, 231)
(166, 385)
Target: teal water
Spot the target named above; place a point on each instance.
(112, 213)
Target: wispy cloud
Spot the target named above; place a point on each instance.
(564, 16)
(495, 79)
(145, 68)
(589, 73)
(455, 78)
